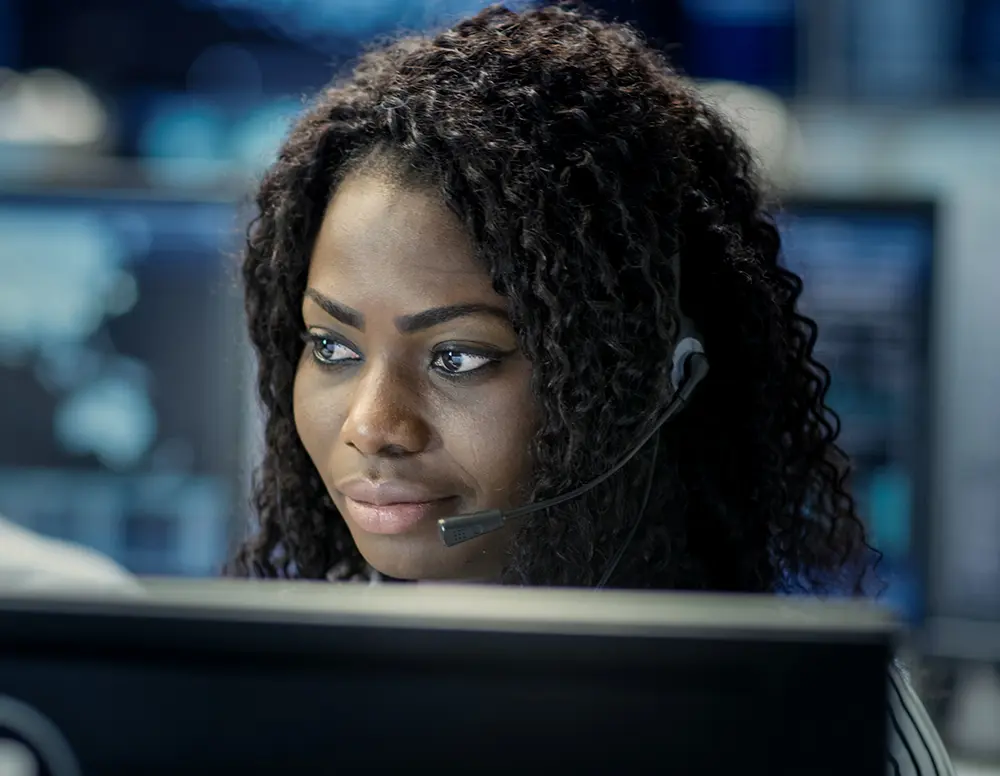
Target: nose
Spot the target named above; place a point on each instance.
(384, 417)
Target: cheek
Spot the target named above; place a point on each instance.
(317, 416)
(492, 444)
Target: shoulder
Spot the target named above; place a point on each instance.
(915, 748)
(29, 561)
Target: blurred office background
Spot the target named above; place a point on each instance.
(130, 137)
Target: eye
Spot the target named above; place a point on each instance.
(457, 362)
(329, 351)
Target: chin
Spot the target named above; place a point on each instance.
(422, 558)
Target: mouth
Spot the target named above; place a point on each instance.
(399, 517)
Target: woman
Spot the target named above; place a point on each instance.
(472, 265)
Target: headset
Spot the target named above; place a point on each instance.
(688, 368)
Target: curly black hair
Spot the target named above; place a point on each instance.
(580, 163)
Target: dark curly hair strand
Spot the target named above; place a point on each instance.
(579, 162)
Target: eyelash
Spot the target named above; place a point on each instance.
(317, 340)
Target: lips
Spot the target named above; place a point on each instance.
(393, 506)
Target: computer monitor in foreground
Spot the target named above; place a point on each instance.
(242, 677)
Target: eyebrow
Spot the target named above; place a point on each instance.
(407, 324)
(340, 312)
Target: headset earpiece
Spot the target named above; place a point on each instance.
(683, 351)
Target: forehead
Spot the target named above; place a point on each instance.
(379, 240)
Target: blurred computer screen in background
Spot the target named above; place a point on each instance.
(869, 271)
(122, 357)
(122, 375)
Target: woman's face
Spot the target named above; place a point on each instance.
(411, 397)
